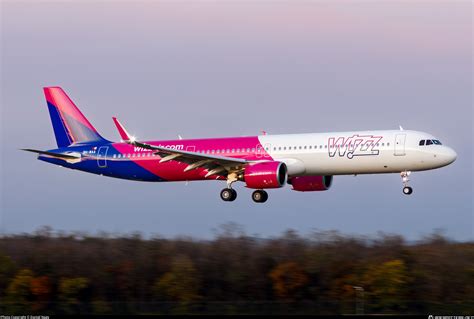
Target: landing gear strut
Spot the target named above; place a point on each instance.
(407, 190)
(259, 196)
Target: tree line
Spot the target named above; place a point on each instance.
(51, 272)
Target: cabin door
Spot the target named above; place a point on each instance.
(102, 156)
(400, 144)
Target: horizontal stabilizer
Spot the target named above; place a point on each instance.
(70, 158)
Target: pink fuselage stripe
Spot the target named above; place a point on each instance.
(174, 170)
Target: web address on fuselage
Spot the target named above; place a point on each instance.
(171, 146)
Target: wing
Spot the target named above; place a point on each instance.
(216, 165)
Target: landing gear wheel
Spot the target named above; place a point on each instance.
(407, 190)
(259, 196)
(228, 194)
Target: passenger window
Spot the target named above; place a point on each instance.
(429, 142)
(422, 142)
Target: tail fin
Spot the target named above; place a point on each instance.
(69, 124)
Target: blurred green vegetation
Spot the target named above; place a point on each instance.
(234, 273)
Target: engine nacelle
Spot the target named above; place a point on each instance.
(266, 175)
(311, 183)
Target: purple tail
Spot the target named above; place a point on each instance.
(69, 124)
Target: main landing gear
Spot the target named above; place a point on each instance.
(229, 194)
(407, 190)
(258, 196)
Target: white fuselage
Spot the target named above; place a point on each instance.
(363, 152)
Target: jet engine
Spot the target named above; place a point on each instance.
(311, 183)
(261, 175)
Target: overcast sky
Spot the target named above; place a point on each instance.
(232, 68)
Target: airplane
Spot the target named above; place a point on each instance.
(307, 162)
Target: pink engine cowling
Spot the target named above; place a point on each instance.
(265, 175)
(311, 183)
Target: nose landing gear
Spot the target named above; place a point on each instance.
(407, 190)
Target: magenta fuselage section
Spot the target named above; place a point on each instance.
(119, 154)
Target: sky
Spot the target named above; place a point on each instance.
(234, 68)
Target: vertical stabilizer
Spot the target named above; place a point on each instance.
(69, 124)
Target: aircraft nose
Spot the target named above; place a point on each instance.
(448, 155)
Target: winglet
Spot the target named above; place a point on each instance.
(122, 131)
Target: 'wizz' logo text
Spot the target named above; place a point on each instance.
(356, 145)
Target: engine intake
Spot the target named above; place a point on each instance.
(311, 183)
(270, 174)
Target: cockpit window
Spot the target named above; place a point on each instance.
(430, 142)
